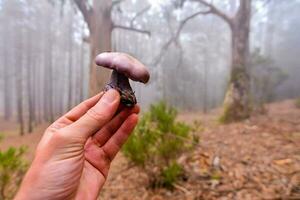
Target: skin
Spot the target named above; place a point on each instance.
(74, 155)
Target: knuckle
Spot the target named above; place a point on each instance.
(98, 116)
(58, 136)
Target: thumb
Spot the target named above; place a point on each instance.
(95, 118)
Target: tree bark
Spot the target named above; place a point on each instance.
(98, 19)
(29, 85)
(6, 76)
(6, 85)
(19, 84)
(70, 63)
(81, 75)
(237, 100)
(100, 33)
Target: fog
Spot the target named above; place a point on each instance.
(45, 53)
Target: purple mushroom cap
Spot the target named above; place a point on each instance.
(124, 64)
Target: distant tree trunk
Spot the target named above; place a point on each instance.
(270, 29)
(50, 84)
(45, 79)
(33, 92)
(39, 93)
(70, 63)
(7, 96)
(205, 90)
(29, 88)
(237, 100)
(48, 99)
(81, 75)
(6, 84)
(19, 83)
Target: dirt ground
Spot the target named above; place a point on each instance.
(255, 159)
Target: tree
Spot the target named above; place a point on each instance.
(98, 18)
(237, 99)
(30, 91)
(70, 61)
(6, 31)
(19, 83)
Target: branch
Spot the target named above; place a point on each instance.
(216, 11)
(174, 38)
(117, 2)
(86, 12)
(266, 2)
(139, 14)
(132, 29)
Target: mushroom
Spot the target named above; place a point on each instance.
(124, 67)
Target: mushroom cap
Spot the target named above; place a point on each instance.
(125, 64)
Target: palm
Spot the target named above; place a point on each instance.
(75, 153)
(92, 178)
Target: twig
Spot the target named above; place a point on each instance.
(132, 29)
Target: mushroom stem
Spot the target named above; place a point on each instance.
(121, 83)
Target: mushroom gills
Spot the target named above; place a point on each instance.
(121, 83)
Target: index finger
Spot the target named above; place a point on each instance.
(77, 112)
(96, 117)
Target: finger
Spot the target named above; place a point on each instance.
(77, 112)
(102, 136)
(96, 117)
(97, 157)
(114, 144)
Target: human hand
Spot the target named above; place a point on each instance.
(73, 157)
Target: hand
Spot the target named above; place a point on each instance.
(73, 157)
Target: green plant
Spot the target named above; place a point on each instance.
(12, 170)
(171, 174)
(297, 103)
(157, 142)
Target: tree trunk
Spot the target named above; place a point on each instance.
(50, 86)
(237, 100)
(7, 81)
(100, 33)
(19, 84)
(29, 86)
(81, 75)
(7, 89)
(70, 63)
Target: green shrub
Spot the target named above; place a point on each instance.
(157, 142)
(297, 103)
(171, 174)
(12, 170)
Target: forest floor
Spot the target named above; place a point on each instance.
(255, 159)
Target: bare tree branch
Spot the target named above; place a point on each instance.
(265, 3)
(139, 14)
(132, 29)
(174, 38)
(216, 11)
(117, 2)
(85, 10)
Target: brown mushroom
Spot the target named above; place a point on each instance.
(124, 67)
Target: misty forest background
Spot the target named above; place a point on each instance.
(47, 49)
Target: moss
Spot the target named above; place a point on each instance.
(237, 101)
(234, 113)
(226, 117)
(238, 74)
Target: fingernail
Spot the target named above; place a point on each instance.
(110, 96)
